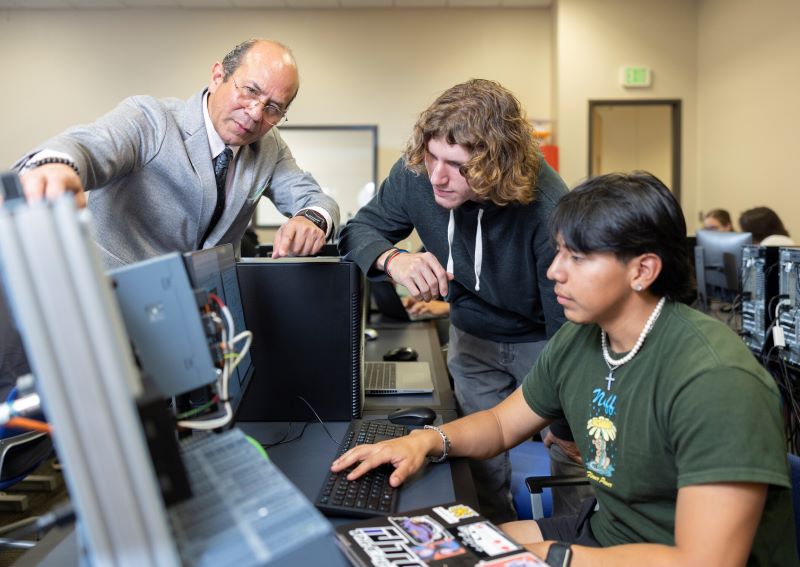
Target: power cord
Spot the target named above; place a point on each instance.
(285, 440)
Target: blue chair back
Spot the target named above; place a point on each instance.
(794, 468)
(529, 459)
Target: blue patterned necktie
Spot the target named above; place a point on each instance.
(220, 173)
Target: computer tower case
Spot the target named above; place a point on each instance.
(307, 322)
(759, 287)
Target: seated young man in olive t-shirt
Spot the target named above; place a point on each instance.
(679, 427)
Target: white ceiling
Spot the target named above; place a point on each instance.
(298, 4)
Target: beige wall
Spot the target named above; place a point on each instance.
(749, 107)
(733, 63)
(596, 38)
(357, 66)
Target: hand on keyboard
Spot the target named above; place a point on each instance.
(406, 454)
(370, 494)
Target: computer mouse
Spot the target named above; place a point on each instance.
(413, 416)
(370, 334)
(403, 354)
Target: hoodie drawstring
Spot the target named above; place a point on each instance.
(451, 226)
(478, 252)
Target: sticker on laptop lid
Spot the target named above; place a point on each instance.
(385, 546)
(420, 530)
(486, 539)
(439, 550)
(454, 514)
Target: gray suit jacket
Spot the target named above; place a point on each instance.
(148, 168)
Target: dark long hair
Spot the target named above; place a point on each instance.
(762, 222)
(628, 215)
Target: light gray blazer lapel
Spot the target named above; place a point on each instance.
(197, 148)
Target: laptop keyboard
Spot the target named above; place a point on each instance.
(243, 511)
(380, 376)
(367, 496)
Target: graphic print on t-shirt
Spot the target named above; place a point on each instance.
(602, 436)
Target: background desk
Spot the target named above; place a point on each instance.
(422, 337)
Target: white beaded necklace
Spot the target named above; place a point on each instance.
(614, 364)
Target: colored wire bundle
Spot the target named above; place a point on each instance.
(231, 359)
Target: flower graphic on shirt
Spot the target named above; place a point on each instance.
(602, 431)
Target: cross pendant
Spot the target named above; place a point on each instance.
(610, 378)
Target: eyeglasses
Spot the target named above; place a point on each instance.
(252, 98)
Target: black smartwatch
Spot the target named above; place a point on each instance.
(559, 554)
(314, 217)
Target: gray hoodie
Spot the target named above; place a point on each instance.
(499, 255)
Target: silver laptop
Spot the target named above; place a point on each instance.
(392, 378)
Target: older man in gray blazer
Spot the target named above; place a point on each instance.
(148, 165)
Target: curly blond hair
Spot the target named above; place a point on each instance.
(488, 121)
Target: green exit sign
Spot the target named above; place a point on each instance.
(632, 76)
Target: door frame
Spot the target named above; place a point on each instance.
(675, 108)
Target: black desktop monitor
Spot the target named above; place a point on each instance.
(214, 271)
(718, 263)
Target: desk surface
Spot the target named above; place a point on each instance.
(306, 462)
(422, 337)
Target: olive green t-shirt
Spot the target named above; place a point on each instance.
(693, 406)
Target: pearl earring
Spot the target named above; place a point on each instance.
(638, 287)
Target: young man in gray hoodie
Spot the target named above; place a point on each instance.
(474, 185)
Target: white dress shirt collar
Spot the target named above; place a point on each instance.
(215, 143)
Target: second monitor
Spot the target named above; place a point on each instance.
(718, 262)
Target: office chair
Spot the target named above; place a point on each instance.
(21, 451)
(20, 454)
(794, 469)
(531, 480)
(535, 485)
(530, 457)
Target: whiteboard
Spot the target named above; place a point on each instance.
(343, 160)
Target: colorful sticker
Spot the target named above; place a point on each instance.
(420, 530)
(525, 559)
(386, 547)
(454, 514)
(437, 550)
(486, 539)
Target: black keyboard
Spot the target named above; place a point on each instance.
(371, 494)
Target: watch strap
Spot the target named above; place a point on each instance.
(33, 164)
(314, 217)
(559, 554)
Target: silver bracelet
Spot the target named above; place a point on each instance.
(445, 443)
